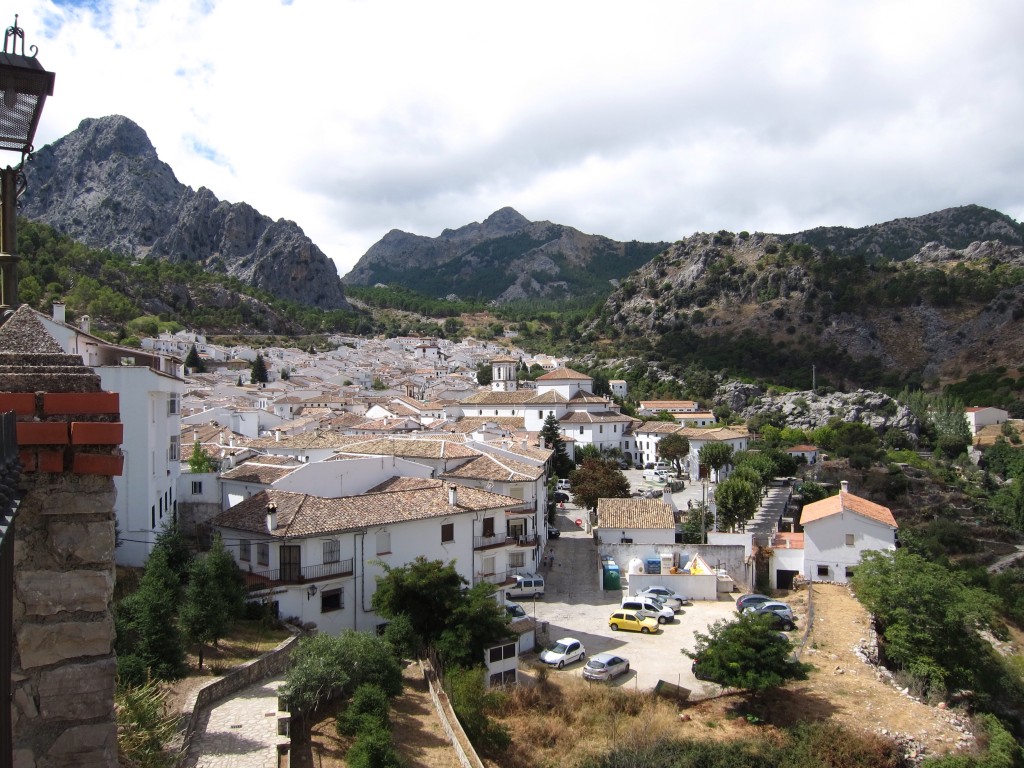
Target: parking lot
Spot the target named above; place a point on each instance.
(574, 605)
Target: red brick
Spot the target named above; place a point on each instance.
(51, 461)
(81, 402)
(22, 403)
(42, 433)
(97, 433)
(28, 460)
(97, 464)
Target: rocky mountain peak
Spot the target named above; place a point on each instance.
(104, 185)
(505, 221)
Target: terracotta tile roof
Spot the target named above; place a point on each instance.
(264, 474)
(587, 397)
(658, 427)
(562, 374)
(845, 501)
(473, 423)
(801, 448)
(299, 514)
(437, 448)
(518, 397)
(634, 513)
(496, 468)
(592, 417)
(786, 540)
(307, 440)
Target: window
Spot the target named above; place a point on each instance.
(383, 543)
(849, 572)
(332, 600)
(823, 570)
(332, 551)
(447, 532)
(172, 449)
(849, 539)
(244, 550)
(263, 554)
(515, 560)
(499, 652)
(197, 487)
(172, 405)
(581, 430)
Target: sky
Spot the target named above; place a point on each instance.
(641, 120)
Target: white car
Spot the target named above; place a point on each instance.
(672, 599)
(649, 606)
(564, 651)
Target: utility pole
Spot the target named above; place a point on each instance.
(814, 378)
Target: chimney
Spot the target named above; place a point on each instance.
(271, 516)
(85, 324)
(59, 314)
(844, 486)
(452, 496)
(277, 435)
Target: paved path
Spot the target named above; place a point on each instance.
(239, 731)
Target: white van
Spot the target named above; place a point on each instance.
(656, 475)
(562, 485)
(649, 607)
(527, 585)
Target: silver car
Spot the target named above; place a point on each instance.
(774, 606)
(672, 599)
(605, 666)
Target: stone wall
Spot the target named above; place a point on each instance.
(64, 668)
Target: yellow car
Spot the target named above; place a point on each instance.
(634, 622)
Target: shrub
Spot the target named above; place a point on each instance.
(373, 749)
(369, 708)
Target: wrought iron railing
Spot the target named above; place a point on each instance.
(10, 472)
(256, 580)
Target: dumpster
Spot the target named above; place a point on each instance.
(652, 565)
(612, 579)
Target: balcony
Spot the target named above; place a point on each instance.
(257, 580)
(501, 578)
(492, 542)
(525, 540)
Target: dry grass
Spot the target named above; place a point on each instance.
(248, 640)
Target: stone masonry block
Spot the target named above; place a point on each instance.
(46, 593)
(85, 746)
(97, 433)
(78, 691)
(81, 403)
(43, 644)
(64, 502)
(82, 542)
(42, 433)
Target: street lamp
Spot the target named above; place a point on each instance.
(24, 86)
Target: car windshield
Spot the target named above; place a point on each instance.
(596, 664)
(515, 610)
(559, 648)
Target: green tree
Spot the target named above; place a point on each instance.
(484, 374)
(598, 479)
(736, 501)
(258, 373)
(373, 748)
(425, 591)
(200, 462)
(172, 541)
(477, 623)
(927, 616)
(952, 432)
(148, 641)
(214, 597)
(369, 706)
(715, 455)
(328, 666)
(747, 653)
(551, 436)
(472, 703)
(674, 448)
(194, 362)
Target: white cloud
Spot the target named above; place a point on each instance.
(648, 121)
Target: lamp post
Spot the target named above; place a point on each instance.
(24, 86)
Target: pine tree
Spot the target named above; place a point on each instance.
(194, 362)
(156, 642)
(551, 436)
(213, 599)
(259, 371)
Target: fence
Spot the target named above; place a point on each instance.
(10, 471)
(257, 580)
(464, 751)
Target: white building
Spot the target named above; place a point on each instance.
(984, 416)
(150, 386)
(838, 529)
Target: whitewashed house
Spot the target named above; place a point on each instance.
(838, 529)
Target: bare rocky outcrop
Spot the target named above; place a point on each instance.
(104, 185)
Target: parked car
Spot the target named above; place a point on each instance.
(526, 585)
(699, 672)
(553, 533)
(656, 475)
(744, 601)
(672, 599)
(514, 610)
(777, 621)
(605, 666)
(560, 497)
(772, 605)
(564, 651)
(649, 606)
(563, 485)
(634, 622)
